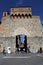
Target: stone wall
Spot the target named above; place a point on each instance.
(21, 10)
(34, 42)
(8, 42)
(31, 25)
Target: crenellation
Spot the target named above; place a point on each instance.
(19, 9)
(5, 14)
(36, 17)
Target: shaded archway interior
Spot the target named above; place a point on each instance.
(21, 42)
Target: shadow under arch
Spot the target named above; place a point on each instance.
(21, 42)
(26, 15)
(19, 15)
(23, 16)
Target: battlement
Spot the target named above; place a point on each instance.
(21, 10)
(36, 17)
(6, 13)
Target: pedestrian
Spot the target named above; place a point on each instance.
(9, 50)
(4, 52)
(40, 49)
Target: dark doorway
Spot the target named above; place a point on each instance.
(21, 43)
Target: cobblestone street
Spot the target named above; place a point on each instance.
(21, 59)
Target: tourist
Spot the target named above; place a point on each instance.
(4, 51)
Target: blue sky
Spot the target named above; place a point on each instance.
(22, 38)
(37, 6)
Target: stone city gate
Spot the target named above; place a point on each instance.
(21, 21)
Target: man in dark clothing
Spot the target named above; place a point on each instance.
(4, 52)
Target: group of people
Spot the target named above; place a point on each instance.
(8, 51)
(27, 50)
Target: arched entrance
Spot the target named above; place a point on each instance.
(21, 43)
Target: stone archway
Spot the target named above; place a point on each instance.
(21, 30)
(21, 43)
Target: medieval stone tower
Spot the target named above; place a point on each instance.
(20, 21)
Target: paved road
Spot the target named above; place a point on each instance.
(21, 59)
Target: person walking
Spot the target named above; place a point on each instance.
(4, 51)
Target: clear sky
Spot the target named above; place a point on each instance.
(37, 6)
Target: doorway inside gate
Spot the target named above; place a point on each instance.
(21, 43)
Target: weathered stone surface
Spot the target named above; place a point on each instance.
(12, 26)
(31, 27)
(21, 10)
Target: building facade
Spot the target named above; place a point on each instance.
(20, 21)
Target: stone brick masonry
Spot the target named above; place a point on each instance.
(21, 21)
